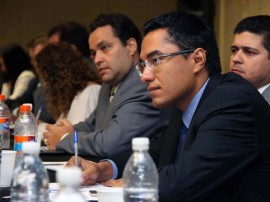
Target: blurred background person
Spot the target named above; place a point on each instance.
(71, 86)
(73, 33)
(16, 72)
(35, 45)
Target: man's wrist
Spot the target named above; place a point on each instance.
(107, 170)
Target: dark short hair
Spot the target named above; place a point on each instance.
(260, 25)
(188, 31)
(123, 27)
(73, 33)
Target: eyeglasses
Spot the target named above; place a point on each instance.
(156, 60)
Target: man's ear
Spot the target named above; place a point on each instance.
(199, 59)
(132, 46)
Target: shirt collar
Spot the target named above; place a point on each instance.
(189, 112)
(261, 89)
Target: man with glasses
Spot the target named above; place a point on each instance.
(217, 146)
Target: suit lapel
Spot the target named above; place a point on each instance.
(214, 82)
(171, 138)
(103, 104)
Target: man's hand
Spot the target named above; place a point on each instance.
(93, 172)
(55, 132)
(113, 183)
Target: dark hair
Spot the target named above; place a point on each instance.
(123, 27)
(16, 61)
(260, 25)
(39, 39)
(188, 31)
(63, 72)
(73, 33)
(57, 29)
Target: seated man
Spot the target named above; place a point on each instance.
(124, 107)
(224, 152)
(250, 57)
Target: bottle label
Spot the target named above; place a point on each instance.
(6, 125)
(19, 139)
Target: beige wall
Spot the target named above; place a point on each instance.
(23, 19)
(228, 14)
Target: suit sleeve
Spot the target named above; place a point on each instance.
(133, 116)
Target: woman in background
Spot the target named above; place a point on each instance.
(71, 85)
(15, 71)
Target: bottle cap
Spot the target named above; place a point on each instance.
(24, 108)
(140, 143)
(69, 176)
(29, 104)
(30, 147)
(3, 119)
(2, 97)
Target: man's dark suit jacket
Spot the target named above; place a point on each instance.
(226, 155)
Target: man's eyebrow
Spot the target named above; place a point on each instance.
(99, 45)
(153, 53)
(244, 47)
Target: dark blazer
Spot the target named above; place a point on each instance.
(226, 155)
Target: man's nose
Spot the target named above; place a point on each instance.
(147, 75)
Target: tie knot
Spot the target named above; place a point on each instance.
(113, 91)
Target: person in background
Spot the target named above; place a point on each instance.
(217, 146)
(124, 107)
(71, 86)
(17, 73)
(40, 111)
(73, 33)
(250, 52)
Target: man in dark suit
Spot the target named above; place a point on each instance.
(250, 52)
(224, 154)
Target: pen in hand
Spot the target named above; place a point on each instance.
(76, 147)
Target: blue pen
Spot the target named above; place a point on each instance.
(76, 147)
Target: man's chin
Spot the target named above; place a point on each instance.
(160, 104)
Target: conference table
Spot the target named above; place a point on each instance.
(47, 156)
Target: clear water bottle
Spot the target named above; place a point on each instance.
(30, 179)
(5, 114)
(140, 178)
(69, 179)
(25, 128)
(5, 133)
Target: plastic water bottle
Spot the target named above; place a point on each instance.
(5, 114)
(140, 178)
(5, 133)
(69, 179)
(30, 179)
(31, 108)
(25, 128)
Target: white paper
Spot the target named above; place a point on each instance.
(54, 189)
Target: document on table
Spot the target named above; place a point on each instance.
(89, 192)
